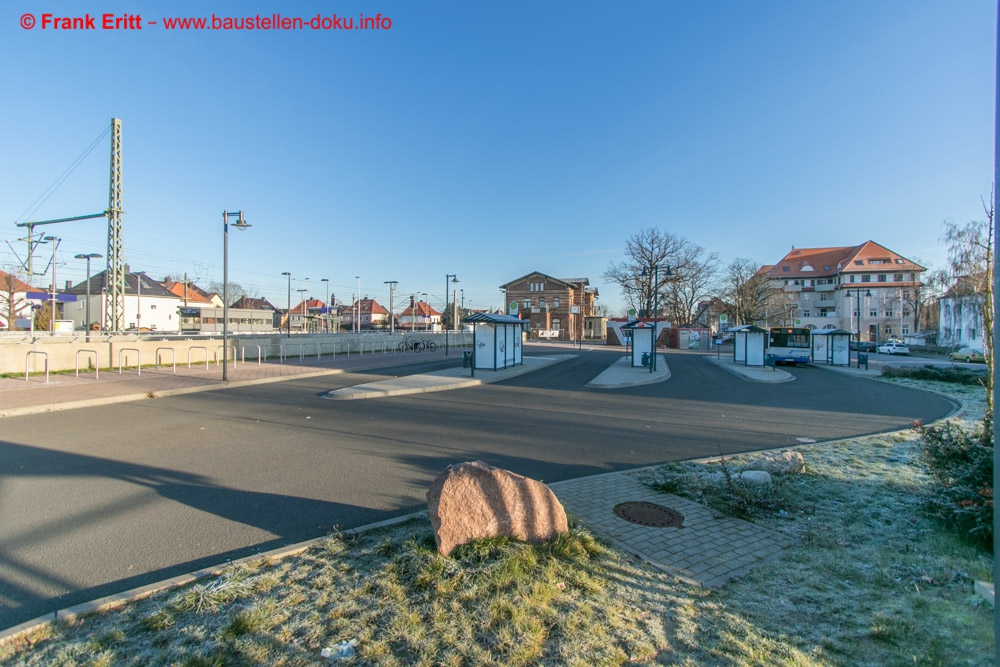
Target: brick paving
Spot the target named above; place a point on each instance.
(708, 550)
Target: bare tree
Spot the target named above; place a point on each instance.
(685, 274)
(970, 259)
(747, 291)
(236, 291)
(10, 303)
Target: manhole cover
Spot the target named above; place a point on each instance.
(649, 514)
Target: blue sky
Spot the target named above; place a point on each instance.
(489, 139)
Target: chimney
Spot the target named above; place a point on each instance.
(69, 285)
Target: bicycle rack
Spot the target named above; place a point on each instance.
(138, 359)
(228, 347)
(198, 347)
(267, 348)
(28, 355)
(314, 345)
(333, 346)
(243, 354)
(97, 362)
(173, 357)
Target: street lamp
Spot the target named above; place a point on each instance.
(302, 305)
(326, 306)
(52, 319)
(656, 307)
(428, 316)
(503, 309)
(357, 307)
(392, 313)
(240, 224)
(88, 257)
(857, 293)
(454, 279)
(288, 310)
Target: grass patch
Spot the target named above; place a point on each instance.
(872, 580)
(948, 374)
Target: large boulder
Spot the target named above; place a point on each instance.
(783, 463)
(469, 501)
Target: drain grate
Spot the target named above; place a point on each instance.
(649, 514)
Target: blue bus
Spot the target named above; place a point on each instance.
(790, 345)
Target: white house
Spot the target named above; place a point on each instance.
(14, 304)
(148, 305)
(961, 321)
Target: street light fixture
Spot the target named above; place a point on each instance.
(240, 224)
(655, 271)
(326, 306)
(392, 313)
(454, 279)
(288, 310)
(88, 257)
(52, 310)
(857, 293)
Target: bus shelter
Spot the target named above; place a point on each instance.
(832, 345)
(496, 341)
(749, 345)
(642, 342)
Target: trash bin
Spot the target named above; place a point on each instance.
(769, 360)
(862, 359)
(645, 358)
(466, 358)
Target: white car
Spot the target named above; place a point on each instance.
(893, 348)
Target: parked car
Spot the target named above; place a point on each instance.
(968, 354)
(893, 348)
(863, 346)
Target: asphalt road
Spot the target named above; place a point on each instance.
(100, 500)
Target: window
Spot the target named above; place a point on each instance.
(152, 306)
(906, 295)
(882, 278)
(785, 269)
(859, 262)
(556, 324)
(527, 304)
(888, 313)
(906, 330)
(555, 302)
(888, 331)
(853, 278)
(873, 313)
(541, 302)
(806, 313)
(972, 334)
(906, 313)
(897, 277)
(866, 278)
(826, 267)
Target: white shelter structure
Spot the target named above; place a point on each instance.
(496, 340)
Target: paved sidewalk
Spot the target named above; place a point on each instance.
(708, 549)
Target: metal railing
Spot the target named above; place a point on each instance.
(198, 347)
(28, 356)
(173, 357)
(243, 354)
(138, 359)
(97, 362)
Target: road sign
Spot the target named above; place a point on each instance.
(45, 296)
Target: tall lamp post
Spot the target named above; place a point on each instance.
(288, 310)
(240, 224)
(428, 327)
(326, 306)
(302, 305)
(138, 302)
(454, 279)
(52, 319)
(392, 313)
(88, 257)
(357, 302)
(857, 293)
(655, 272)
